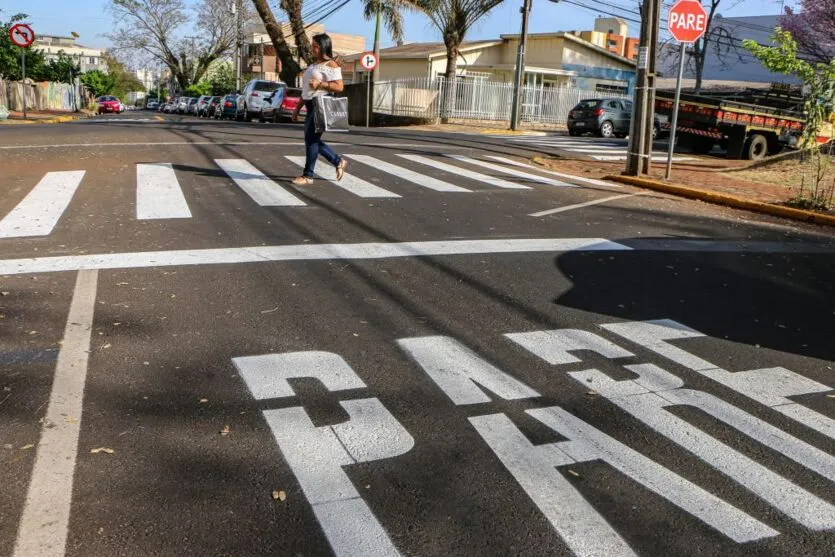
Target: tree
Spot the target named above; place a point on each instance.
(389, 12)
(99, 83)
(293, 9)
(198, 89)
(152, 29)
(289, 66)
(223, 80)
(62, 69)
(453, 18)
(813, 29)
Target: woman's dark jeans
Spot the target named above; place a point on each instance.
(314, 146)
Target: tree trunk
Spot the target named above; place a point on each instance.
(289, 67)
(294, 14)
(376, 74)
(448, 101)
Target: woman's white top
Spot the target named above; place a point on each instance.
(322, 72)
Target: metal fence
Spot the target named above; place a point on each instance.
(477, 99)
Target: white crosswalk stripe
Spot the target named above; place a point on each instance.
(578, 179)
(261, 189)
(511, 172)
(408, 175)
(158, 193)
(597, 149)
(349, 183)
(39, 212)
(477, 176)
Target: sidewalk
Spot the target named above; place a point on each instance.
(44, 117)
(763, 188)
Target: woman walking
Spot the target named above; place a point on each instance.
(322, 77)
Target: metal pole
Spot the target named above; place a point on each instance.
(674, 121)
(520, 67)
(636, 133)
(368, 101)
(23, 68)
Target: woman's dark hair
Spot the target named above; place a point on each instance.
(325, 45)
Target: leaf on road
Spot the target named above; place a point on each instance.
(102, 450)
(226, 430)
(279, 495)
(270, 310)
(593, 393)
(830, 396)
(204, 400)
(573, 473)
(4, 293)
(27, 447)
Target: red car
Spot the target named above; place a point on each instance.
(281, 104)
(109, 103)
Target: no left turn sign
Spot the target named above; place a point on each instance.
(368, 61)
(22, 35)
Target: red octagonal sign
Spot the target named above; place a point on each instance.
(687, 21)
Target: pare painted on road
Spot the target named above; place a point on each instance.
(318, 455)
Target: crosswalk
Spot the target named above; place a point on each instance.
(159, 194)
(610, 150)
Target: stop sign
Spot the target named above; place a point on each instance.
(687, 21)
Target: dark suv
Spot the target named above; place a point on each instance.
(603, 117)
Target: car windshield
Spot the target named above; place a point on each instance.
(294, 93)
(107, 99)
(585, 105)
(266, 85)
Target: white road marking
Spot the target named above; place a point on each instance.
(771, 387)
(511, 171)
(458, 371)
(158, 193)
(408, 175)
(586, 204)
(261, 189)
(39, 212)
(349, 183)
(42, 531)
(477, 176)
(555, 347)
(301, 252)
(176, 143)
(578, 179)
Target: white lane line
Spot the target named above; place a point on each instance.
(579, 179)
(512, 172)
(408, 175)
(477, 176)
(38, 212)
(42, 531)
(349, 183)
(158, 193)
(301, 252)
(261, 189)
(586, 204)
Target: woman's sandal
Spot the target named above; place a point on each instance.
(340, 169)
(302, 181)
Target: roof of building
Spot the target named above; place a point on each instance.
(568, 35)
(423, 50)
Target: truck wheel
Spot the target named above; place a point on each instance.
(756, 148)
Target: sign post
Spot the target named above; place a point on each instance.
(22, 36)
(686, 22)
(368, 61)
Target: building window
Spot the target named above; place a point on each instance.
(613, 43)
(610, 89)
(92, 61)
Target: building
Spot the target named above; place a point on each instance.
(727, 64)
(612, 33)
(259, 56)
(551, 60)
(88, 58)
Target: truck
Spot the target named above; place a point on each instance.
(749, 124)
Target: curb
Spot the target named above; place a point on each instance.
(727, 199)
(55, 120)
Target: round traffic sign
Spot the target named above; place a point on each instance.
(368, 61)
(687, 21)
(21, 35)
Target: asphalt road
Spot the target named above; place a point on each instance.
(438, 356)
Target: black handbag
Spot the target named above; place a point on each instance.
(330, 114)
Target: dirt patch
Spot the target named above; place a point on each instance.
(771, 184)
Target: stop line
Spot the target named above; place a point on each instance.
(318, 456)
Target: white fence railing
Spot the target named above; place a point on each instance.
(477, 99)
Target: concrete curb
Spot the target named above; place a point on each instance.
(726, 199)
(55, 120)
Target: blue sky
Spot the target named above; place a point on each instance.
(89, 18)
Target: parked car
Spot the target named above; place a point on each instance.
(231, 107)
(211, 106)
(192, 106)
(152, 104)
(281, 105)
(201, 104)
(254, 93)
(604, 118)
(182, 105)
(108, 104)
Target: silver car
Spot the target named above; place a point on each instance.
(254, 94)
(182, 105)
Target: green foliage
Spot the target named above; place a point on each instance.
(198, 89)
(99, 82)
(10, 55)
(223, 80)
(61, 69)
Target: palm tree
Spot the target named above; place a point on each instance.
(453, 18)
(390, 12)
(289, 67)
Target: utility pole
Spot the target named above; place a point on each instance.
(642, 120)
(520, 66)
(236, 8)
